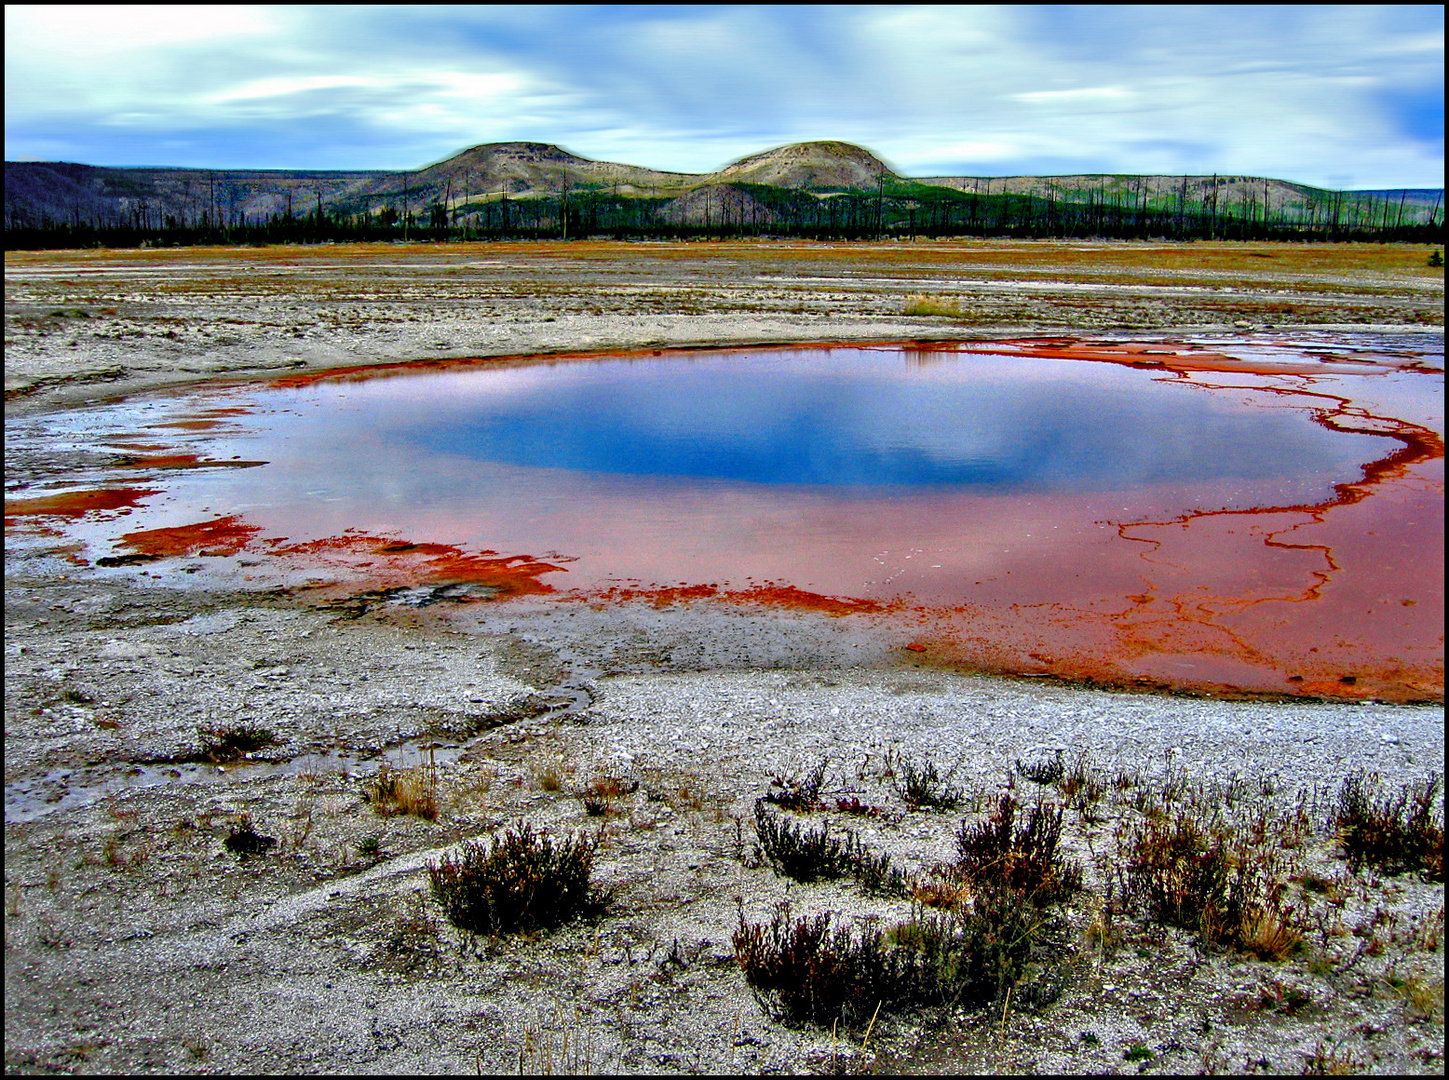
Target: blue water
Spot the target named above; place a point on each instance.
(851, 417)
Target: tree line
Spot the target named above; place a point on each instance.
(1126, 210)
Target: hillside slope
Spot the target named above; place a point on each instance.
(58, 193)
(808, 166)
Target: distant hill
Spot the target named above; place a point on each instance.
(1421, 196)
(1232, 194)
(809, 166)
(762, 189)
(523, 168)
(61, 191)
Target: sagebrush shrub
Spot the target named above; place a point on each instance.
(806, 971)
(1183, 872)
(520, 882)
(1393, 835)
(1044, 771)
(800, 852)
(923, 787)
(996, 855)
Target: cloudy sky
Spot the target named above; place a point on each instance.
(1330, 95)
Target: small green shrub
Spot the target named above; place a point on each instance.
(992, 936)
(923, 787)
(1182, 871)
(799, 795)
(1026, 862)
(807, 854)
(806, 971)
(221, 745)
(1393, 835)
(521, 881)
(1046, 771)
(800, 852)
(1178, 873)
(1138, 1052)
(876, 874)
(997, 945)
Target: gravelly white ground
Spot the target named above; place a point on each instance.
(135, 941)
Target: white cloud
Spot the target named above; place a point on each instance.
(980, 151)
(1087, 95)
(85, 31)
(275, 86)
(1410, 44)
(930, 88)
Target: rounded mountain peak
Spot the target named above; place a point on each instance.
(824, 164)
(524, 151)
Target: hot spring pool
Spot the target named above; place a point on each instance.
(1263, 516)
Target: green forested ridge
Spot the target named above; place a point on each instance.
(813, 190)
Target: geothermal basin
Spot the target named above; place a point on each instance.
(1251, 516)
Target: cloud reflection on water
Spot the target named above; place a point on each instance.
(850, 418)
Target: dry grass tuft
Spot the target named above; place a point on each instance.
(941, 892)
(1330, 1059)
(921, 304)
(1270, 934)
(405, 791)
(602, 792)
